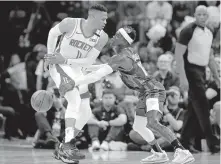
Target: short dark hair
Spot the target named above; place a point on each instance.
(130, 31)
(98, 7)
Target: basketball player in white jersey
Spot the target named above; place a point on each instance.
(80, 44)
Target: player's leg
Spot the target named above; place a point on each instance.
(153, 114)
(63, 77)
(139, 126)
(85, 112)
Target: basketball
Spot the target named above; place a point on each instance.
(42, 101)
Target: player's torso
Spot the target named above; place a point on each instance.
(137, 77)
(76, 45)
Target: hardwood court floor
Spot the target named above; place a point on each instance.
(16, 153)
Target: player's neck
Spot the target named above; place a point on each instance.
(88, 28)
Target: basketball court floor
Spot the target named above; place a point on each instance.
(16, 152)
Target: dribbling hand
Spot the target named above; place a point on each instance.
(55, 58)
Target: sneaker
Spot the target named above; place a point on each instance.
(156, 157)
(69, 153)
(104, 146)
(95, 145)
(50, 142)
(182, 157)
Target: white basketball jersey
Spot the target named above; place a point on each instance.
(76, 45)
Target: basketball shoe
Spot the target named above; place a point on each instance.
(68, 152)
(182, 157)
(156, 157)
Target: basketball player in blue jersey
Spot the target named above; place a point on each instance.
(80, 44)
(151, 96)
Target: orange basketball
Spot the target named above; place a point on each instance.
(42, 101)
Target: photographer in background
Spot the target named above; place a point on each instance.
(173, 114)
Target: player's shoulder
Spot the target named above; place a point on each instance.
(103, 37)
(69, 22)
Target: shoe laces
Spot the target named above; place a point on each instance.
(177, 153)
(154, 155)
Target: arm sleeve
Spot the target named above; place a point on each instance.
(120, 61)
(185, 35)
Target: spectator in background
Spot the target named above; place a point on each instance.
(215, 114)
(107, 122)
(15, 88)
(6, 111)
(50, 124)
(164, 75)
(213, 23)
(42, 76)
(159, 12)
(130, 14)
(160, 41)
(32, 60)
(212, 90)
(180, 10)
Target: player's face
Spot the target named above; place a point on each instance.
(117, 40)
(108, 99)
(201, 16)
(100, 20)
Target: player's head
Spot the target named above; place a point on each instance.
(124, 36)
(201, 15)
(98, 16)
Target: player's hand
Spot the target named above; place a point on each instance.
(55, 58)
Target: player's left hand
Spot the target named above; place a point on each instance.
(55, 58)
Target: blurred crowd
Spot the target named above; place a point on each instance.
(24, 36)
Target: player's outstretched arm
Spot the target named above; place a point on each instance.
(93, 67)
(106, 69)
(92, 54)
(65, 26)
(94, 76)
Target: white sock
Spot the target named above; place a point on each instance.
(69, 134)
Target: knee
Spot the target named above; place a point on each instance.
(136, 137)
